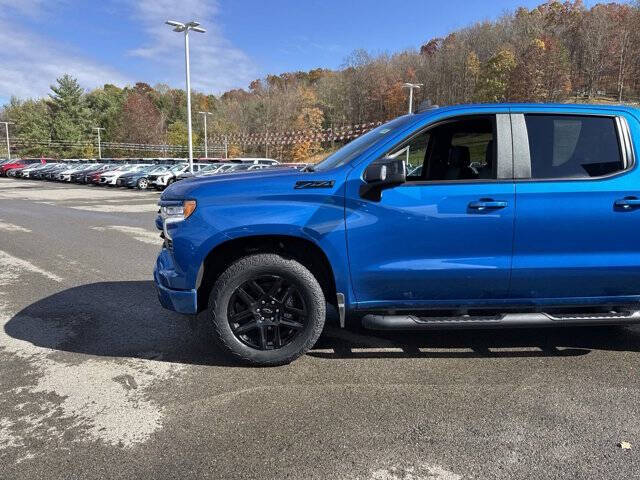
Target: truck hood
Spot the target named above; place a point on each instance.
(231, 181)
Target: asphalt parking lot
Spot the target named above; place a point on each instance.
(98, 381)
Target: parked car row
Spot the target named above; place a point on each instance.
(141, 173)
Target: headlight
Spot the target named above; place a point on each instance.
(179, 212)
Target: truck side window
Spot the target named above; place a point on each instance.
(572, 146)
(414, 154)
(461, 149)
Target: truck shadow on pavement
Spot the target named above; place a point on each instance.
(124, 319)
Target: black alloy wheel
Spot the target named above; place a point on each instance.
(267, 312)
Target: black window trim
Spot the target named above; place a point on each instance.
(507, 162)
(623, 135)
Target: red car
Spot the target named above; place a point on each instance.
(94, 178)
(16, 164)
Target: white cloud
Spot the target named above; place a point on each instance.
(31, 62)
(216, 65)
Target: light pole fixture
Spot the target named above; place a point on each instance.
(6, 129)
(204, 115)
(99, 145)
(411, 87)
(185, 27)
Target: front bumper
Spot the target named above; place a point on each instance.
(127, 182)
(158, 182)
(181, 301)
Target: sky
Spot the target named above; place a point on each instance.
(126, 41)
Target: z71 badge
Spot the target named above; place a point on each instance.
(315, 184)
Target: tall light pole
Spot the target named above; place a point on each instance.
(204, 115)
(411, 87)
(6, 129)
(185, 27)
(99, 145)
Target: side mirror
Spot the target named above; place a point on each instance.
(382, 174)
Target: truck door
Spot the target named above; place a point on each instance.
(577, 213)
(445, 235)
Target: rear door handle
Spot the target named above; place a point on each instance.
(487, 204)
(627, 203)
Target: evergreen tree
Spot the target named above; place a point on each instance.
(106, 109)
(70, 116)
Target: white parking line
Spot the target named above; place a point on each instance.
(10, 227)
(140, 234)
(45, 193)
(145, 208)
(12, 264)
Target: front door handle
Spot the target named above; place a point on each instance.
(486, 204)
(627, 203)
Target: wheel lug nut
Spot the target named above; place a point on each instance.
(272, 302)
(263, 302)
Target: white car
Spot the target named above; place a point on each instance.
(164, 179)
(110, 177)
(26, 172)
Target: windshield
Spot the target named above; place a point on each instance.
(354, 148)
(177, 168)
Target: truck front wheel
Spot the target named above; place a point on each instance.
(266, 310)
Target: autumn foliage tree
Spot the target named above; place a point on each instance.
(141, 121)
(542, 73)
(494, 77)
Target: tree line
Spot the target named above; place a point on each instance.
(558, 51)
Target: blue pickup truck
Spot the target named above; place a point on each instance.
(474, 216)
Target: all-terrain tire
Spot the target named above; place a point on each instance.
(245, 270)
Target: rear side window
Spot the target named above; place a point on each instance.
(567, 146)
